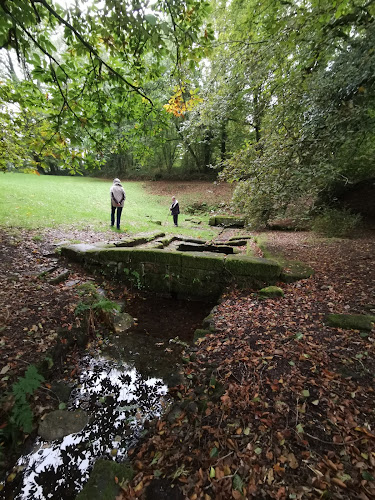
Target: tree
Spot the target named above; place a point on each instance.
(93, 63)
(317, 124)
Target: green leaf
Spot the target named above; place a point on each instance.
(344, 477)
(62, 406)
(305, 393)
(214, 452)
(367, 476)
(212, 472)
(156, 458)
(299, 429)
(237, 483)
(150, 18)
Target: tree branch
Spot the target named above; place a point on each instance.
(92, 50)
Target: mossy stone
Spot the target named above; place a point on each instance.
(139, 240)
(294, 270)
(351, 321)
(226, 221)
(250, 249)
(243, 265)
(200, 333)
(102, 484)
(209, 323)
(203, 261)
(271, 291)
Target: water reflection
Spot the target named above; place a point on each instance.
(118, 400)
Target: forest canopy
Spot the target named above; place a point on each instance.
(277, 96)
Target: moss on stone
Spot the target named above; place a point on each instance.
(294, 270)
(230, 221)
(162, 257)
(271, 291)
(139, 240)
(255, 267)
(200, 333)
(351, 321)
(203, 261)
(243, 237)
(102, 484)
(250, 249)
(226, 221)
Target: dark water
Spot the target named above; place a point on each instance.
(121, 387)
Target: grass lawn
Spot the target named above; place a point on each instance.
(39, 202)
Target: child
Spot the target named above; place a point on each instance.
(175, 210)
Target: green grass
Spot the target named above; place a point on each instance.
(39, 202)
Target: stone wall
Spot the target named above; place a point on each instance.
(183, 274)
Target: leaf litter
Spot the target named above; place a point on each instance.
(283, 405)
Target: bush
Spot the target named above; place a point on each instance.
(333, 222)
(198, 207)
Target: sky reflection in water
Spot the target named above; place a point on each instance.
(118, 400)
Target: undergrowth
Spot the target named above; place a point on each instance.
(21, 417)
(333, 222)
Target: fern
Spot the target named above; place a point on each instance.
(105, 306)
(94, 307)
(28, 383)
(22, 414)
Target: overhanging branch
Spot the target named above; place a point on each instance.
(92, 50)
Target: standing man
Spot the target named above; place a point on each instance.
(175, 210)
(117, 201)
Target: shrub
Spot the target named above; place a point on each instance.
(198, 207)
(333, 222)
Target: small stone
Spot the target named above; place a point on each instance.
(60, 423)
(271, 291)
(122, 322)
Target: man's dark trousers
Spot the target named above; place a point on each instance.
(118, 216)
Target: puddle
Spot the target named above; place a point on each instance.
(120, 388)
(119, 400)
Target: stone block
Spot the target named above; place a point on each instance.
(226, 221)
(203, 261)
(254, 267)
(102, 484)
(294, 270)
(364, 322)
